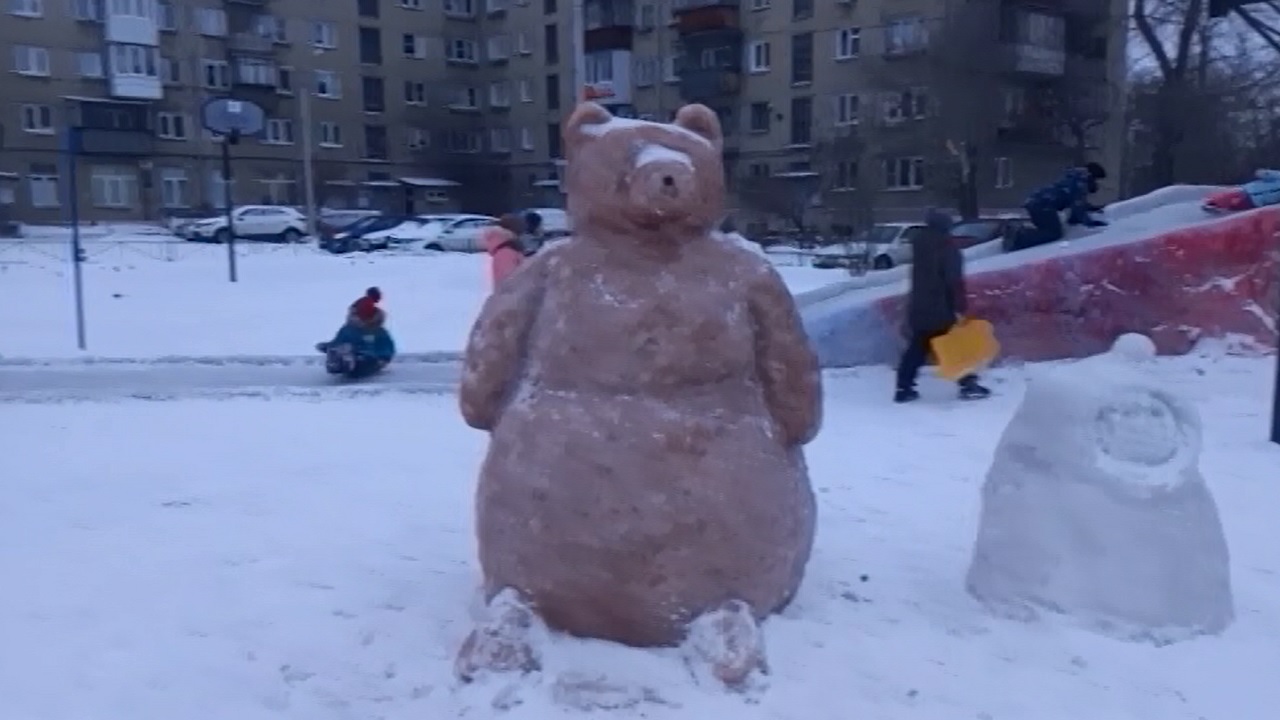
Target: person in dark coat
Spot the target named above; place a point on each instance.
(936, 301)
(1071, 193)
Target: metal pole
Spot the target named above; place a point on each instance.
(227, 140)
(77, 252)
(577, 30)
(1275, 401)
(308, 171)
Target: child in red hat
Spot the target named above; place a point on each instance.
(362, 346)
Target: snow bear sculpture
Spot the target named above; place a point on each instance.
(1094, 506)
(648, 387)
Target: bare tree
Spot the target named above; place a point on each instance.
(840, 160)
(787, 196)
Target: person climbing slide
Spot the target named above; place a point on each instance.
(362, 346)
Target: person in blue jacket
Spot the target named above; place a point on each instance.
(362, 345)
(1071, 193)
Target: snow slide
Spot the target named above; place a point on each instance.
(1163, 268)
(24, 380)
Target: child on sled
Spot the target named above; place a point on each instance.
(362, 345)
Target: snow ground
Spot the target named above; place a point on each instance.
(148, 297)
(214, 559)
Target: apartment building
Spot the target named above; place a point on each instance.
(848, 110)
(400, 103)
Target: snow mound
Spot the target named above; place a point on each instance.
(1094, 507)
(1135, 347)
(726, 648)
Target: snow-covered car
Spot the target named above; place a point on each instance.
(271, 223)
(456, 233)
(844, 255)
(403, 232)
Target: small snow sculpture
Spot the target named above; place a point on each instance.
(1094, 507)
(1134, 347)
(648, 389)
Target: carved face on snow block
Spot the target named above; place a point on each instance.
(648, 388)
(1094, 506)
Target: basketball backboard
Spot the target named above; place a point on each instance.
(227, 116)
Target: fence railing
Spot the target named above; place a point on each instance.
(157, 247)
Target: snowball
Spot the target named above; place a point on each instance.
(1094, 507)
(1134, 346)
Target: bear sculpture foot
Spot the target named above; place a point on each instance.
(503, 641)
(726, 644)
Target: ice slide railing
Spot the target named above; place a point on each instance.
(1160, 258)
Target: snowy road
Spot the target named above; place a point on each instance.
(40, 381)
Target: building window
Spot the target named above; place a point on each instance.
(758, 56)
(905, 35)
(904, 173)
(370, 44)
(801, 9)
(411, 4)
(671, 69)
(216, 74)
(284, 80)
(493, 7)
(498, 48)
(554, 140)
(37, 119)
(525, 88)
(801, 121)
(375, 142)
(27, 8)
(174, 187)
(211, 21)
(526, 139)
(499, 94)
(133, 8)
(802, 58)
(847, 108)
(846, 175)
(467, 98)
(524, 46)
(167, 18)
(113, 187)
(553, 92)
(415, 92)
(549, 7)
(848, 43)
(271, 28)
(253, 71)
(134, 61)
(460, 8)
(170, 71)
(413, 46)
(551, 44)
(500, 140)
(760, 4)
(760, 117)
(418, 139)
(90, 10)
(328, 84)
(89, 65)
(171, 126)
(31, 60)
(461, 50)
(278, 131)
(910, 104)
(324, 35)
(368, 8)
(1004, 173)
(219, 187)
(330, 134)
(373, 95)
(42, 182)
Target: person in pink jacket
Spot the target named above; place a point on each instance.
(503, 245)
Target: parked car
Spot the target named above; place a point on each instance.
(968, 233)
(554, 220)
(456, 233)
(849, 255)
(890, 243)
(271, 223)
(357, 235)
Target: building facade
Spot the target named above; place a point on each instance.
(850, 109)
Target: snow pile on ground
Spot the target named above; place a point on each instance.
(309, 559)
(148, 298)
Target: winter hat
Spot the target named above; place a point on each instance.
(938, 219)
(374, 294)
(366, 308)
(1096, 171)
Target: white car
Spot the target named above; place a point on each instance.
(456, 233)
(406, 232)
(252, 222)
(890, 243)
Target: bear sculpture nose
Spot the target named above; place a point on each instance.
(668, 181)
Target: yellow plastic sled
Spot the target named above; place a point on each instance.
(967, 347)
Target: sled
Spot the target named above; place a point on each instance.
(967, 347)
(342, 361)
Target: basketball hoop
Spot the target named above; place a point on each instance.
(597, 92)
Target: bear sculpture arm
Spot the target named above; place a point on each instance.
(787, 366)
(496, 348)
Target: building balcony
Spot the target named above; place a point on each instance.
(135, 87)
(131, 30)
(111, 127)
(247, 43)
(707, 85)
(599, 14)
(696, 16)
(615, 37)
(1028, 59)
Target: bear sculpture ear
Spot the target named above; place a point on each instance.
(701, 121)
(587, 113)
